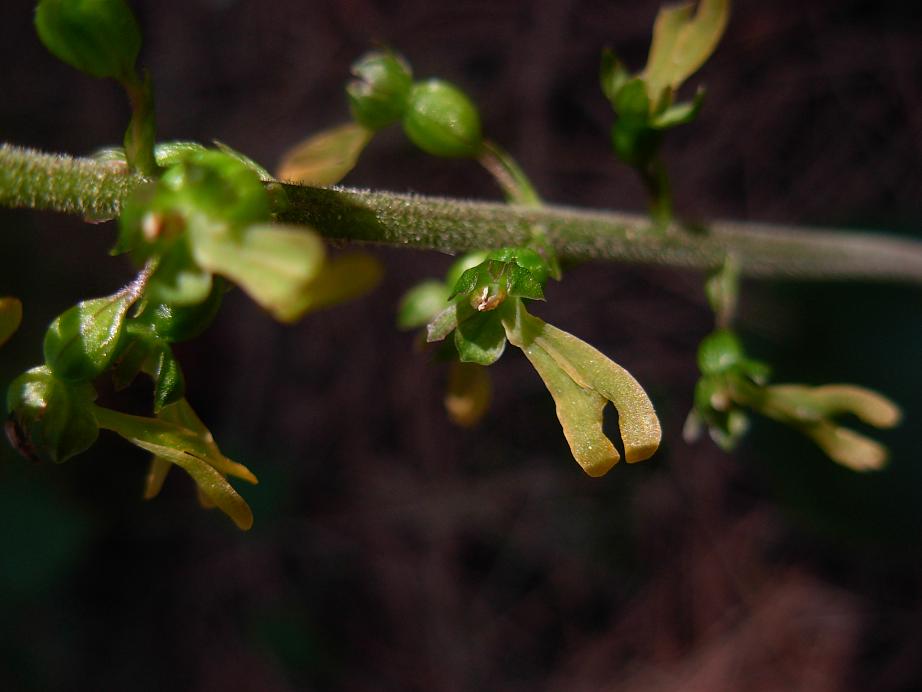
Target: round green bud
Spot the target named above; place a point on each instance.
(378, 95)
(50, 419)
(81, 342)
(441, 120)
(99, 37)
(719, 352)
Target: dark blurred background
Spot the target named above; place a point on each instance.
(393, 551)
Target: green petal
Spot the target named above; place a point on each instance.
(682, 43)
(795, 402)
(481, 339)
(870, 406)
(325, 158)
(468, 394)
(178, 436)
(181, 413)
(340, 279)
(581, 379)
(640, 428)
(10, 318)
(274, 264)
(847, 447)
(580, 412)
(156, 475)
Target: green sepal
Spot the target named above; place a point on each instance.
(480, 339)
(82, 341)
(171, 153)
(421, 303)
(264, 175)
(137, 345)
(179, 280)
(99, 37)
(526, 258)
(10, 317)
(326, 157)
(462, 264)
(51, 420)
(379, 93)
(678, 114)
(613, 75)
(447, 320)
(173, 323)
(492, 281)
(441, 120)
(169, 383)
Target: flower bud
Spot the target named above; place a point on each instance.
(441, 120)
(718, 352)
(99, 37)
(50, 419)
(82, 341)
(378, 94)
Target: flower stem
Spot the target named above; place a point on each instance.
(83, 186)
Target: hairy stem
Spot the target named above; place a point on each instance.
(83, 186)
